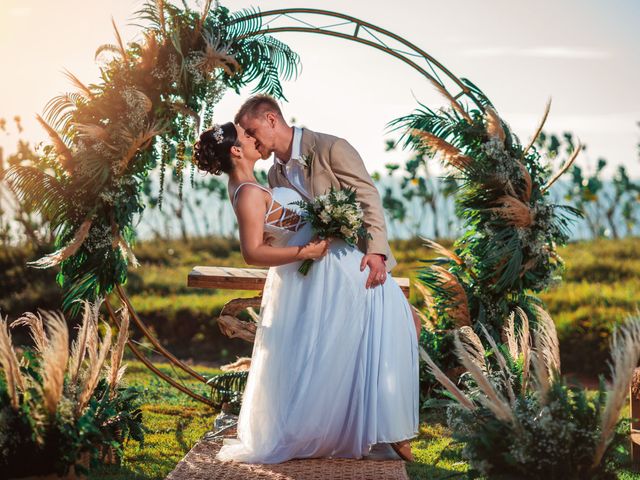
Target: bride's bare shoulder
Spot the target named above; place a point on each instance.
(250, 195)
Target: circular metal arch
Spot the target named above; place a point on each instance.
(334, 24)
(324, 22)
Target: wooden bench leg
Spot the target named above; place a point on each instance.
(229, 323)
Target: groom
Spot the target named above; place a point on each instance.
(311, 163)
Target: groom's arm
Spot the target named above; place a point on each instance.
(348, 167)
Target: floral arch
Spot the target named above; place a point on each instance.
(154, 97)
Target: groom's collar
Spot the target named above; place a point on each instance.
(296, 146)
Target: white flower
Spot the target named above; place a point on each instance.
(325, 217)
(344, 230)
(341, 196)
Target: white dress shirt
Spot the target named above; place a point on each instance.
(293, 169)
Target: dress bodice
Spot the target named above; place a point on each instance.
(289, 218)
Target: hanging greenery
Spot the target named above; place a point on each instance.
(148, 109)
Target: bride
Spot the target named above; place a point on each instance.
(334, 367)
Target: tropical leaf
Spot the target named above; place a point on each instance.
(41, 192)
(59, 111)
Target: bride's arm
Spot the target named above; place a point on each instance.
(250, 211)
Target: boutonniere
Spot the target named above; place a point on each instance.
(306, 160)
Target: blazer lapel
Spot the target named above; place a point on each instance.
(307, 148)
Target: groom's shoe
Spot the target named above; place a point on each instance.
(403, 449)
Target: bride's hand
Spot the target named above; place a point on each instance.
(315, 249)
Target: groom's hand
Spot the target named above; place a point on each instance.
(377, 269)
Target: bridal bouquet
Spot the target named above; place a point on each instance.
(335, 214)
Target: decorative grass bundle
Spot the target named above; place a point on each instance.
(60, 406)
(516, 427)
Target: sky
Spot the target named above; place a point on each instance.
(583, 54)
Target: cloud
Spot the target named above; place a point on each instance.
(541, 52)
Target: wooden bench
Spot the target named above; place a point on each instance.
(231, 278)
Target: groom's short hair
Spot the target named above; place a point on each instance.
(258, 105)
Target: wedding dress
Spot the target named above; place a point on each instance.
(334, 367)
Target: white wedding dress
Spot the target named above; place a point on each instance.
(334, 367)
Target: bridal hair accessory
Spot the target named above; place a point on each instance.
(218, 134)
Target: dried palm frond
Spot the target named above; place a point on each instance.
(532, 262)
(9, 363)
(441, 250)
(70, 249)
(524, 344)
(493, 124)
(513, 211)
(473, 346)
(625, 353)
(182, 108)
(564, 168)
(428, 303)
(107, 47)
(127, 251)
(424, 320)
(458, 311)
(121, 46)
(450, 154)
(541, 375)
(539, 129)
(149, 51)
(86, 92)
(93, 131)
(491, 398)
(528, 183)
(509, 336)
(79, 346)
(96, 362)
(54, 360)
(36, 329)
(59, 111)
(546, 340)
(64, 153)
(116, 371)
(141, 141)
(241, 364)
(454, 103)
(161, 15)
(215, 55)
(203, 16)
(445, 381)
(502, 363)
(141, 99)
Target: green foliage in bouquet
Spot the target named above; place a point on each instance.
(516, 416)
(153, 97)
(335, 214)
(61, 407)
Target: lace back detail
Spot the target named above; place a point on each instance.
(288, 219)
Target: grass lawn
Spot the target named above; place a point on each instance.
(175, 423)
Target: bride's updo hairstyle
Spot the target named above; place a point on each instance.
(212, 151)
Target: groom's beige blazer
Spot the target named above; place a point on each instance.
(334, 162)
